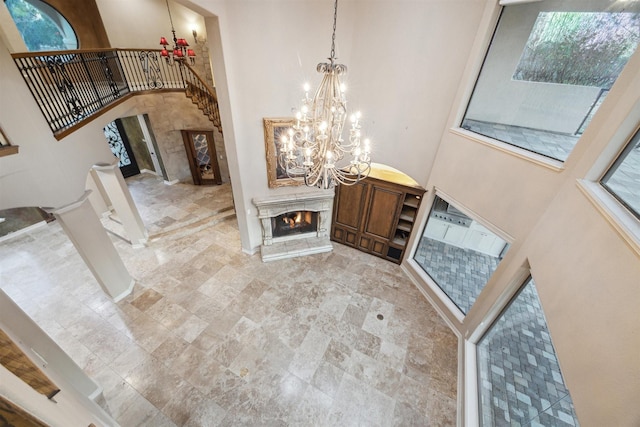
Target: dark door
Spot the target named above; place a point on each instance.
(120, 147)
(202, 156)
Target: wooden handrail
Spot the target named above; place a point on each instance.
(77, 51)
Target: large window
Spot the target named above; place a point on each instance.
(41, 26)
(520, 382)
(623, 178)
(458, 253)
(547, 71)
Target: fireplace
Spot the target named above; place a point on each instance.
(295, 224)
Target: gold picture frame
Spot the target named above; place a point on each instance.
(273, 129)
(6, 148)
(4, 142)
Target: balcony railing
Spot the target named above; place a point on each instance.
(73, 86)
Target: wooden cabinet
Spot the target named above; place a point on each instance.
(376, 216)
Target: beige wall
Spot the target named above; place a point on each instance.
(141, 23)
(586, 273)
(405, 60)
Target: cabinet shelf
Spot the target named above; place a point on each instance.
(399, 240)
(404, 226)
(412, 201)
(408, 214)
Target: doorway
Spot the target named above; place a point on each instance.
(201, 153)
(121, 148)
(131, 140)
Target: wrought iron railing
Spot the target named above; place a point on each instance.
(73, 86)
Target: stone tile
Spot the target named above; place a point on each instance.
(190, 329)
(327, 378)
(155, 382)
(354, 315)
(146, 299)
(170, 349)
(313, 409)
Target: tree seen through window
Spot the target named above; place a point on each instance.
(42, 27)
(579, 48)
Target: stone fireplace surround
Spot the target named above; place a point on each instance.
(320, 201)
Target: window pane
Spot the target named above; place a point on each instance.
(623, 179)
(547, 72)
(458, 253)
(520, 382)
(42, 27)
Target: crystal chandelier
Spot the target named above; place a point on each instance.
(313, 149)
(180, 51)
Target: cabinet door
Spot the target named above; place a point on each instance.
(350, 202)
(348, 212)
(382, 212)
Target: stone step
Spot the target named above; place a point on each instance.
(181, 229)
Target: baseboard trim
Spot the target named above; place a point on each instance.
(22, 231)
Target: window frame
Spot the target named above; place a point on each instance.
(632, 143)
(503, 303)
(419, 270)
(618, 215)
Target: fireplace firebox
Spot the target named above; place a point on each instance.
(292, 223)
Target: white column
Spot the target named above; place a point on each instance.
(98, 197)
(122, 202)
(85, 231)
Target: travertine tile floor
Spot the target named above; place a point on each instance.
(214, 337)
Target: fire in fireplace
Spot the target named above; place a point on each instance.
(291, 223)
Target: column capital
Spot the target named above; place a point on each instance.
(71, 206)
(105, 167)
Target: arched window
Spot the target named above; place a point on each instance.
(41, 26)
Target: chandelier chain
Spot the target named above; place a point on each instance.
(333, 37)
(170, 19)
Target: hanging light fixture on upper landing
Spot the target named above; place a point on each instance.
(313, 149)
(180, 51)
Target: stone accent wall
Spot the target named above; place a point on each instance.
(169, 113)
(203, 62)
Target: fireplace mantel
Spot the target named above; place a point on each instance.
(320, 201)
